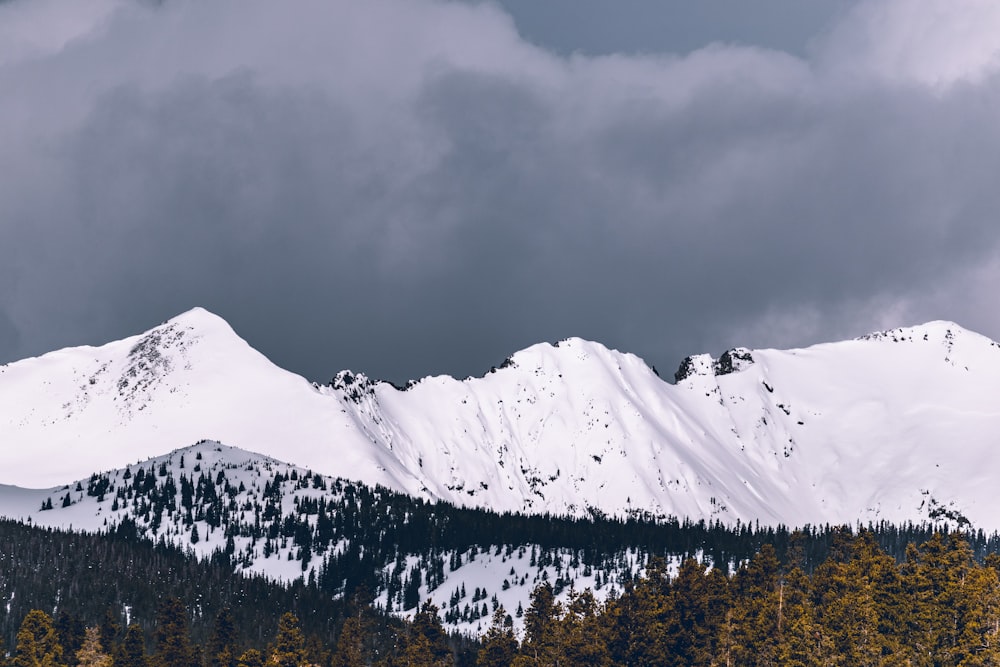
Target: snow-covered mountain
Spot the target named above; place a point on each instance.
(898, 425)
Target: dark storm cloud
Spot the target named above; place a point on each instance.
(409, 188)
(598, 27)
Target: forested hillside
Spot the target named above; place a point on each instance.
(860, 606)
(250, 514)
(89, 577)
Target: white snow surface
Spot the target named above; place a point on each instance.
(484, 575)
(245, 470)
(890, 426)
(505, 574)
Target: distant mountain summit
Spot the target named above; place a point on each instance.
(897, 425)
(70, 412)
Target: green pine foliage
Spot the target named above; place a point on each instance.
(939, 605)
(425, 642)
(708, 594)
(70, 630)
(91, 653)
(499, 644)
(173, 639)
(37, 642)
(222, 648)
(132, 651)
(859, 607)
(251, 658)
(290, 644)
(95, 579)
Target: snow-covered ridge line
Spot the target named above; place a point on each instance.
(859, 430)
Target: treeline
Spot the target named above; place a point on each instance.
(364, 639)
(83, 578)
(347, 534)
(860, 607)
(938, 606)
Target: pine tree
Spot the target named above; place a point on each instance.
(350, 644)
(110, 629)
(540, 618)
(860, 610)
(37, 642)
(696, 611)
(797, 644)
(251, 658)
(353, 644)
(427, 638)
(753, 625)
(978, 617)
(635, 619)
(317, 651)
(173, 643)
(91, 653)
(499, 645)
(954, 602)
(70, 630)
(411, 590)
(289, 644)
(132, 652)
(885, 585)
(222, 649)
(580, 636)
(417, 652)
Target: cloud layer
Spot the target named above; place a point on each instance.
(409, 187)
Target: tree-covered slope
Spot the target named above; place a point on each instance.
(261, 517)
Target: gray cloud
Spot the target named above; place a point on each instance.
(596, 27)
(410, 187)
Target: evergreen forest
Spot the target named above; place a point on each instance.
(881, 595)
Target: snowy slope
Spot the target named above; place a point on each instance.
(246, 503)
(241, 480)
(868, 429)
(70, 412)
(897, 425)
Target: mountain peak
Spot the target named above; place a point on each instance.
(933, 330)
(946, 340)
(199, 320)
(572, 352)
(835, 432)
(182, 380)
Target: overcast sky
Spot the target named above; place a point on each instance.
(407, 187)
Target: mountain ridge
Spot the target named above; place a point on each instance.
(847, 431)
